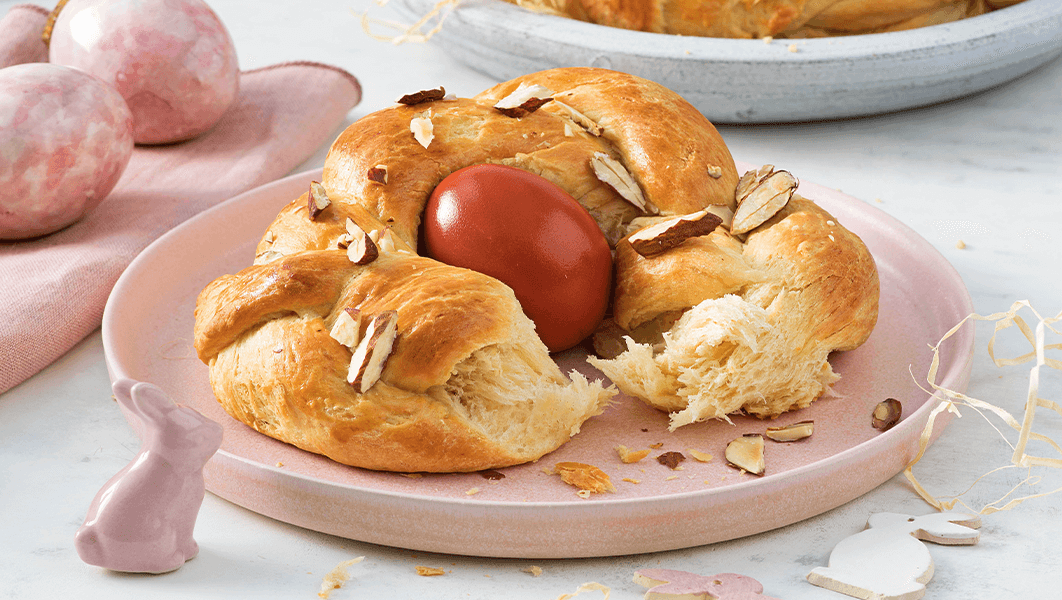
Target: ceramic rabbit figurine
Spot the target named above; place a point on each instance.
(142, 519)
(886, 561)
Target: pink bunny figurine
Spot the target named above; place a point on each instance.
(141, 521)
(887, 560)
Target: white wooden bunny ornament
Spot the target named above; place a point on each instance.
(887, 560)
(141, 521)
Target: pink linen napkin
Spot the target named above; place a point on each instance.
(53, 289)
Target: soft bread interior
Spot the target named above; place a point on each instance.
(516, 395)
(722, 356)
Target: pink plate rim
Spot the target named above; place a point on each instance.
(953, 375)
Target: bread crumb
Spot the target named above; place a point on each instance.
(767, 39)
(587, 587)
(533, 570)
(715, 171)
(629, 480)
(411, 475)
(280, 464)
(656, 445)
(793, 48)
(699, 456)
(472, 491)
(629, 456)
(879, 200)
(961, 245)
(587, 478)
(430, 572)
(337, 577)
(670, 477)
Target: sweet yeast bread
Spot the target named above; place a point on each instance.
(468, 385)
(766, 18)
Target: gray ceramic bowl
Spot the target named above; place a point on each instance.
(750, 81)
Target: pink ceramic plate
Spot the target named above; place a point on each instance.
(147, 335)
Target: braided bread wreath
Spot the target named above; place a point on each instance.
(766, 18)
(718, 323)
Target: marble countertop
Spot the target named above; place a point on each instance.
(983, 170)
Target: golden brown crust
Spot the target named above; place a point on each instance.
(768, 18)
(299, 396)
(466, 364)
(799, 287)
(803, 248)
(708, 267)
(668, 156)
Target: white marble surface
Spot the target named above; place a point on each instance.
(982, 169)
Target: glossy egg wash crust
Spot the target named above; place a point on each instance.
(442, 370)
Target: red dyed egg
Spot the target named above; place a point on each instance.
(531, 235)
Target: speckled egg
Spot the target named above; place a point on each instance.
(172, 60)
(65, 138)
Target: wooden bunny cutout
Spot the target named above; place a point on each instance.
(886, 561)
(141, 521)
(667, 584)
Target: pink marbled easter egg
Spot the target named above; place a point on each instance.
(172, 60)
(65, 138)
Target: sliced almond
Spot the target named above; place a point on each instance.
(699, 456)
(423, 129)
(611, 172)
(386, 240)
(761, 199)
(746, 453)
(587, 478)
(353, 228)
(723, 212)
(344, 241)
(750, 179)
(580, 119)
(377, 174)
(522, 94)
(629, 456)
(886, 414)
(269, 237)
(267, 257)
(528, 107)
(671, 460)
(362, 250)
(423, 96)
(347, 328)
(791, 433)
(665, 235)
(317, 200)
(370, 358)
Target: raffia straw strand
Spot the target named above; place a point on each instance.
(951, 400)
